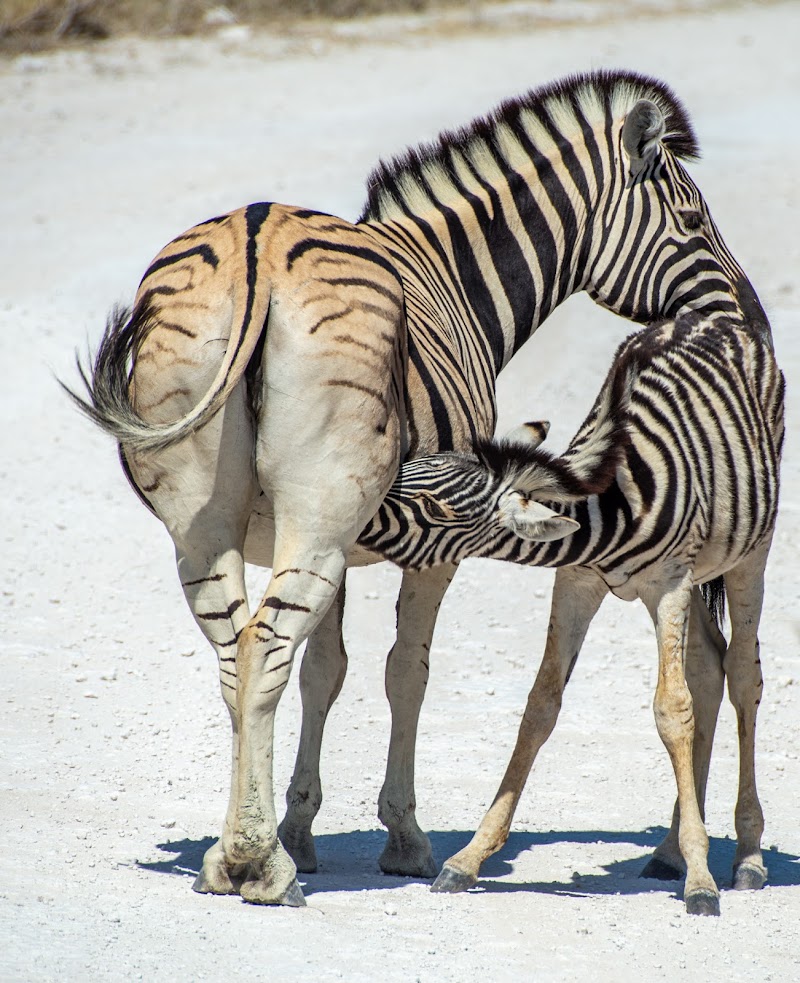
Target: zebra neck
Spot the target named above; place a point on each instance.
(488, 251)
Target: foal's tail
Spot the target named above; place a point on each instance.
(714, 596)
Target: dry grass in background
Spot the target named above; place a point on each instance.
(34, 25)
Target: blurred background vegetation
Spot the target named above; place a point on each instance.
(35, 25)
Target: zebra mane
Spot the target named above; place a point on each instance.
(589, 465)
(587, 94)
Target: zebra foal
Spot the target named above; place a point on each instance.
(672, 481)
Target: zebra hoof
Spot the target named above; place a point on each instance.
(702, 902)
(659, 870)
(293, 896)
(452, 881)
(217, 883)
(408, 856)
(749, 877)
(217, 876)
(257, 892)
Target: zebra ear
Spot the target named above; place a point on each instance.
(532, 520)
(532, 433)
(642, 131)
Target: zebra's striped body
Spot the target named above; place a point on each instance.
(280, 363)
(683, 443)
(671, 481)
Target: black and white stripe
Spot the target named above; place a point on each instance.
(280, 364)
(679, 457)
(671, 482)
(495, 225)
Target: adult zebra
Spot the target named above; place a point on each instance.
(334, 351)
(671, 481)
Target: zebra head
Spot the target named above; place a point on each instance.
(658, 251)
(447, 507)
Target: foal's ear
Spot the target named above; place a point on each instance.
(532, 433)
(532, 520)
(642, 131)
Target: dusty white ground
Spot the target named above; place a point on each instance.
(115, 747)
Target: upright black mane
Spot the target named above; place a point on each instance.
(606, 83)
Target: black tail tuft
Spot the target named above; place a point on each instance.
(714, 596)
(107, 379)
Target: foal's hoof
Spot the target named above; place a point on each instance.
(659, 870)
(452, 881)
(749, 877)
(702, 902)
(259, 892)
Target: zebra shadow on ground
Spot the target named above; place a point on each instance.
(348, 862)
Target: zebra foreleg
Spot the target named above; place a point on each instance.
(577, 594)
(745, 588)
(321, 676)
(408, 850)
(705, 678)
(669, 609)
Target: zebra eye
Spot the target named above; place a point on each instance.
(434, 509)
(691, 219)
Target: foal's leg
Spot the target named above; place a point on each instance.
(408, 849)
(669, 609)
(321, 676)
(577, 594)
(745, 588)
(705, 651)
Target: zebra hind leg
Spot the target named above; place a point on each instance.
(215, 592)
(669, 606)
(321, 676)
(745, 588)
(304, 583)
(706, 681)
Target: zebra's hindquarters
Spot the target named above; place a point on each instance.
(314, 428)
(331, 414)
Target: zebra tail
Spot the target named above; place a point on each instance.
(108, 383)
(714, 596)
